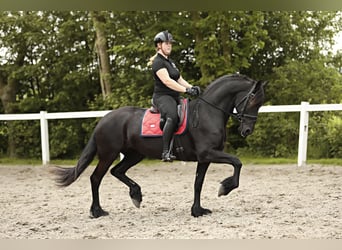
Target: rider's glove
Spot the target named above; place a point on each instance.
(193, 91)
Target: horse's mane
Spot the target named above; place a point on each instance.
(237, 79)
(230, 78)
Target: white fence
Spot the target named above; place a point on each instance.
(304, 110)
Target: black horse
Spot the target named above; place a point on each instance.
(119, 132)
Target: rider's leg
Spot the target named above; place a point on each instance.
(168, 131)
(167, 106)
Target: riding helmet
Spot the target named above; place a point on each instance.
(163, 36)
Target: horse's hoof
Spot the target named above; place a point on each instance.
(196, 212)
(227, 186)
(222, 191)
(136, 203)
(136, 196)
(96, 213)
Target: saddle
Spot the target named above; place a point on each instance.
(150, 126)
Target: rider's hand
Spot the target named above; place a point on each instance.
(198, 89)
(193, 91)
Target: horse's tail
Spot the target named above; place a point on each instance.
(66, 176)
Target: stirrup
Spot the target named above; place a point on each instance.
(167, 156)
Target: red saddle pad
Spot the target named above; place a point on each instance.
(150, 123)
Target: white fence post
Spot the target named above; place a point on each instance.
(303, 134)
(44, 134)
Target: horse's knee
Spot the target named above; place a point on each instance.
(236, 163)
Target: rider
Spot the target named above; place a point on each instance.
(167, 88)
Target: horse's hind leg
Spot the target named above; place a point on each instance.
(95, 179)
(119, 171)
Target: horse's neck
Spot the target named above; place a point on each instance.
(224, 94)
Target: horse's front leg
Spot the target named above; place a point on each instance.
(196, 209)
(232, 182)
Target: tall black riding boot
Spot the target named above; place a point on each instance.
(168, 131)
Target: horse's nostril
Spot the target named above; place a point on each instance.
(246, 132)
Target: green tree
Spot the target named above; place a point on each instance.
(13, 65)
(49, 65)
(293, 35)
(101, 45)
(225, 41)
(315, 82)
(293, 62)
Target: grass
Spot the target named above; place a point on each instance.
(261, 160)
(333, 161)
(269, 161)
(245, 160)
(16, 161)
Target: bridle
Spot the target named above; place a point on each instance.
(238, 115)
(244, 101)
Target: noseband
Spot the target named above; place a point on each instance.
(244, 101)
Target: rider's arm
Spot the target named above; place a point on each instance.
(172, 84)
(184, 83)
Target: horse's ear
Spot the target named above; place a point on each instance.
(260, 84)
(257, 86)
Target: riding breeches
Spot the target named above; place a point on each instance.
(167, 106)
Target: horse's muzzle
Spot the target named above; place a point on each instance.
(245, 130)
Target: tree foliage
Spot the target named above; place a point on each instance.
(49, 62)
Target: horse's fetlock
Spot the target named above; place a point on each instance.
(135, 190)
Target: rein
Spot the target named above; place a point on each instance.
(214, 106)
(238, 116)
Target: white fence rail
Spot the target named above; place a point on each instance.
(304, 110)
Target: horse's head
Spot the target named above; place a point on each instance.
(240, 92)
(247, 104)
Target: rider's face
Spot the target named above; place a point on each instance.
(166, 48)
